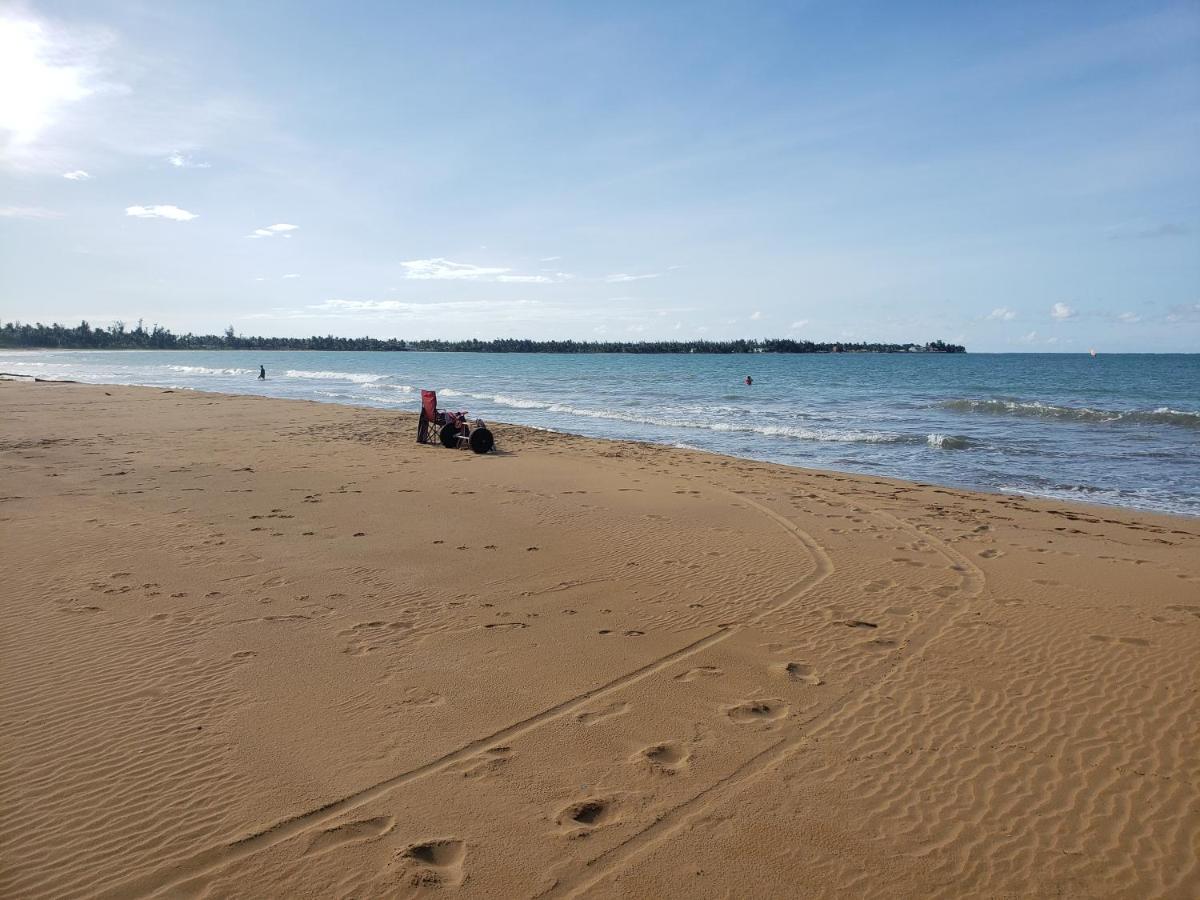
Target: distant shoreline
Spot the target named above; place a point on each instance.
(18, 336)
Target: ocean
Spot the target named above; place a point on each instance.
(1120, 429)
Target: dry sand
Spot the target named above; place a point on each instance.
(257, 648)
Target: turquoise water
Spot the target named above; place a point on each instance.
(1115, 429)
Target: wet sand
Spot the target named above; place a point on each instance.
(262, 648)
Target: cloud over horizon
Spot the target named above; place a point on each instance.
(28, 212)
(441, 269)
(161, 211)
(183, 161)
(282, 229)
(620, 277)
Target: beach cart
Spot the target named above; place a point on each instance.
(453, 430)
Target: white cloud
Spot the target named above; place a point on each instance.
(549, 258)
(28, 212)
(77, 175)
(272, 230)
(474, 314)
(440, 269)
(621, 276)
(1062, 312)
(1184, 312)
(181, 161)
(1142, 231)
(1129, 318)
(1002, 314)
(292, 275)
(164, 211)
(1029, 338)
(755, 316)
(798, 324)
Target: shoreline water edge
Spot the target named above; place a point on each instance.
(1118, 431)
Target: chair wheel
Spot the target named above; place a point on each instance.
(481, 440)
(449, 435)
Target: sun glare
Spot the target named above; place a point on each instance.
(35, 82)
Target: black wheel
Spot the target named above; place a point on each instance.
(481, 440)
(449, 435)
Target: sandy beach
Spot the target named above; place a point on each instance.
(265, 648)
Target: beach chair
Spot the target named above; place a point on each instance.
(436, 426)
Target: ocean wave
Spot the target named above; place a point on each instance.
(355, 377)
(389, 386)
(205, 370)
(832, 435)
(948, 441)
(1163, 415)
(1156, 501)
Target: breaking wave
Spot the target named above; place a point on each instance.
(748, 427)
(356, 377)
(948, 441)
(366, 379)
(205, 370)
(1163, 415)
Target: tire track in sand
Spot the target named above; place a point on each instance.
(214, 858)
(723, 790)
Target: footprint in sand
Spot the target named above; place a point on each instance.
(699, 672)
(799, 672)
(351, 832)
(592, 716)
(752, 711)
(990, 554)
(666, 758)
(434, 862)
(581, 818)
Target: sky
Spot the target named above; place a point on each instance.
(1014, 177)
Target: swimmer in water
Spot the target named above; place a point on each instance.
(262, 373)
(749, 380)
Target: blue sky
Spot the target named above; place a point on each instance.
(1012, 176)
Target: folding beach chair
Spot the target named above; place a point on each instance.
(430, 421)
(436, 426)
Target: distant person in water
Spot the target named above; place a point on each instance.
(749, 380)
(262, 373)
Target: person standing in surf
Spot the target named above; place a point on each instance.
(262, 373)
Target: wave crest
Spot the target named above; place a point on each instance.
(1163, 415)
(948, 441)
(205, 370)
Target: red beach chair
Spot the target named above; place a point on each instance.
(429, 425)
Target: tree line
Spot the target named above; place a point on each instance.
(119, 337)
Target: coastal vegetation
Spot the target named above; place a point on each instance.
(118, 337)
